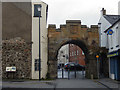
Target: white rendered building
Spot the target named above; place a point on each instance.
(43, 40)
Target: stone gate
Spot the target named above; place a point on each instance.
(73, 33)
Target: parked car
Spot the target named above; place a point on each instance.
(79, 67)
(74, 66)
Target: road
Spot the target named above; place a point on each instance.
(80, 82)
(74, 84)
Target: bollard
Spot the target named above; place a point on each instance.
(92, 76)
(68, 74)
(82, 72)
(75, 72)
(62, 73)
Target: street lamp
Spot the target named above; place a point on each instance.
(39, 10)
(97, 56)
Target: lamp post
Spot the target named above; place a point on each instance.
(97, 65)
(39, 10)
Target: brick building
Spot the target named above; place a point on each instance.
(76, 54)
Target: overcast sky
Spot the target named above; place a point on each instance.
(88, 11)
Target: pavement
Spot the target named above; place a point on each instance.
(107, 82)
(80, 82)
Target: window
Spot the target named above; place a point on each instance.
(46, 12)
(117, 46)
(116, 37)
(77, 52)
(82, 53)
(36, 12)
(36, 64)
(72, 54)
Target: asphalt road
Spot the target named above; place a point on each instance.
(61, 84)
(78, 83)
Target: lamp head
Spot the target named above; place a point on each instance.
(39, 9)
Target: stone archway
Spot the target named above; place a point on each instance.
(73, 33)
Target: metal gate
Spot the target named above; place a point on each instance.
(70, 74)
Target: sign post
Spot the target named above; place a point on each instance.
(97, 65)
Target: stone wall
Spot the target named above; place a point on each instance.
(74, 33)
(16, 52)
(16, 36)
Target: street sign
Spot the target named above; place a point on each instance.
(110, 32)
(10, 69)
(97, 56)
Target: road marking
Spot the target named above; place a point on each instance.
(102, 84)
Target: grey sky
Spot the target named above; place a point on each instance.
(88, 11)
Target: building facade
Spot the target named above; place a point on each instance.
(109, 38)
(43, 41)
(20, 36)
(76, 54)
(114, 52)
(63, 55)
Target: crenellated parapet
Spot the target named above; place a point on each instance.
(83, 26)
(93, 28)
(73, 21)
(63, 26)
(51, 27)
(73, 29)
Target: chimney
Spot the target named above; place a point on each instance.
(103, 12)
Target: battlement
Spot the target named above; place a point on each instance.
(52, 26)
(83, 26)
(58, 30)
(73, 21)
(94, 26)
(63, 26)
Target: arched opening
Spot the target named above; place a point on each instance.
(79, 43)
(71, 59)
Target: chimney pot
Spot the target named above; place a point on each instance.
(103, 12)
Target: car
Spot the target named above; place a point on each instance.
(69, 66)
(74, 66)
(79, 67)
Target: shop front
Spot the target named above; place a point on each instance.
(114, 65)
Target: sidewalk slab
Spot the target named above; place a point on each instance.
(109, 82)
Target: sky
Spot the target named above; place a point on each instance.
(88, 11)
